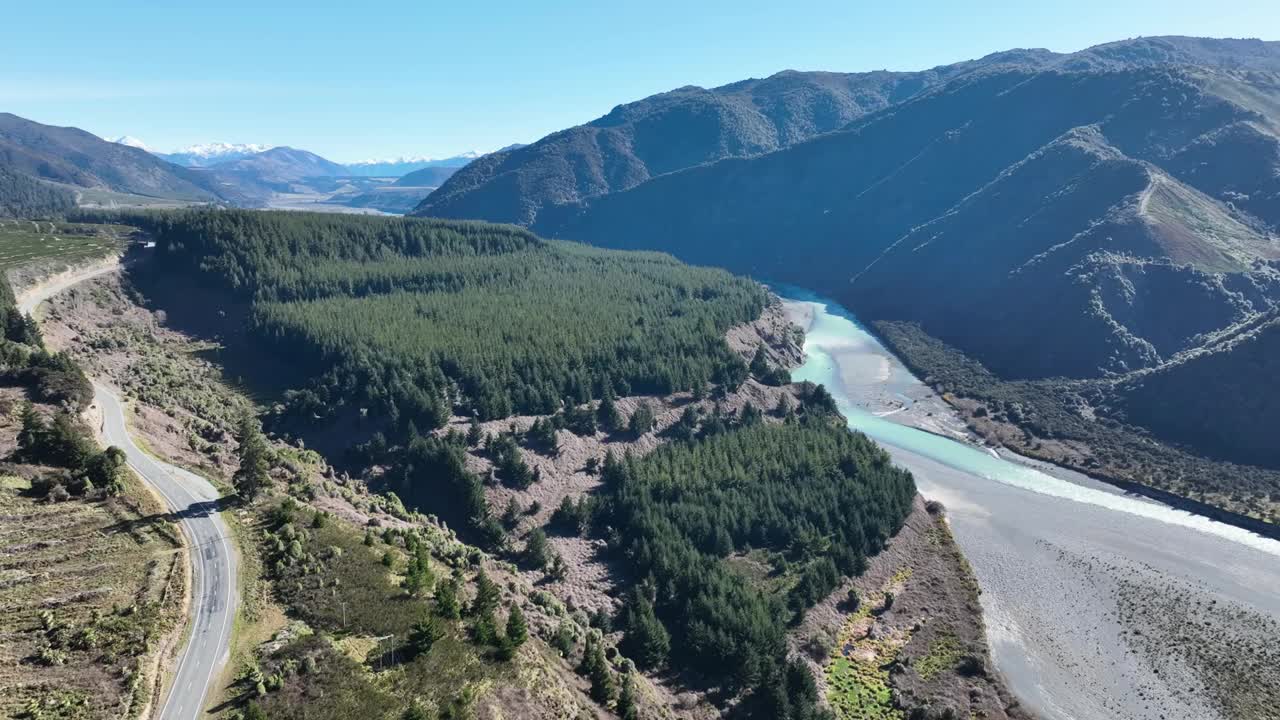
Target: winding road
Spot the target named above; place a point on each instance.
(194, 504)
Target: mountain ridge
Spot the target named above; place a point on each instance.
(634, 141)
(1092, 215)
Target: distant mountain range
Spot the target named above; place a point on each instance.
(1106, 213)
(215, 153)
(403, 166)
(75, 158)
(46, 168)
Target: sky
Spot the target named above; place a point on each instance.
(362, 80)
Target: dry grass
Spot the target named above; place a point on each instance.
(88, 589)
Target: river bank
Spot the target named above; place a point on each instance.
(1074, 573)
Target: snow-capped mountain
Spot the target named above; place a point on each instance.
(397, 167)
(131, 141)
(206, 154)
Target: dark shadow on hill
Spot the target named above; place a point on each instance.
(216, 317)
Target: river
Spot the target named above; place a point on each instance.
(1082, 585)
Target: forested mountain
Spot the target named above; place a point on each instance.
(820, 497)
(74, 157)
(1003, 204)
(392, 326)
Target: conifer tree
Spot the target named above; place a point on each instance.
(446, 600)
(251, 477)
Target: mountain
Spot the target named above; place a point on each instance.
(402, 166)
(210, 153)
(74, 157)
(1103, 214)
(690, 126)
(427, 177)
(131, 141)
(273, 171)
(664, 133)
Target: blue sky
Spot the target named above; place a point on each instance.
(357, 80)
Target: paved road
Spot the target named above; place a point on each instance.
(193, 500)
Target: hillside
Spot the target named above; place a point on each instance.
(1083, 216)
(1065, 191)
(661, 134)
(25, 197)
(427, 177)
(1218, 399)
(440, 371)
(71, 156)
(692, 126)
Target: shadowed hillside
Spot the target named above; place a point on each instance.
(74, 157)
(1107, 216)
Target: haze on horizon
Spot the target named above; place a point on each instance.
(411, 80)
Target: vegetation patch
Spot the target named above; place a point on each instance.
(944, 654)
(858, 671)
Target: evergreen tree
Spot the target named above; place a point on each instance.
(517, 628)
(31, 437)
(423, 635)
(759, 363)
(511, 516)
(602, 683)
(647, 640)
(483, 628)
(607, 412)
(418, 577)
(627, 708)
(535, 550)
(487, 595)
(251, 477)
(446, 597)
(474, 434)
(641, 420)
